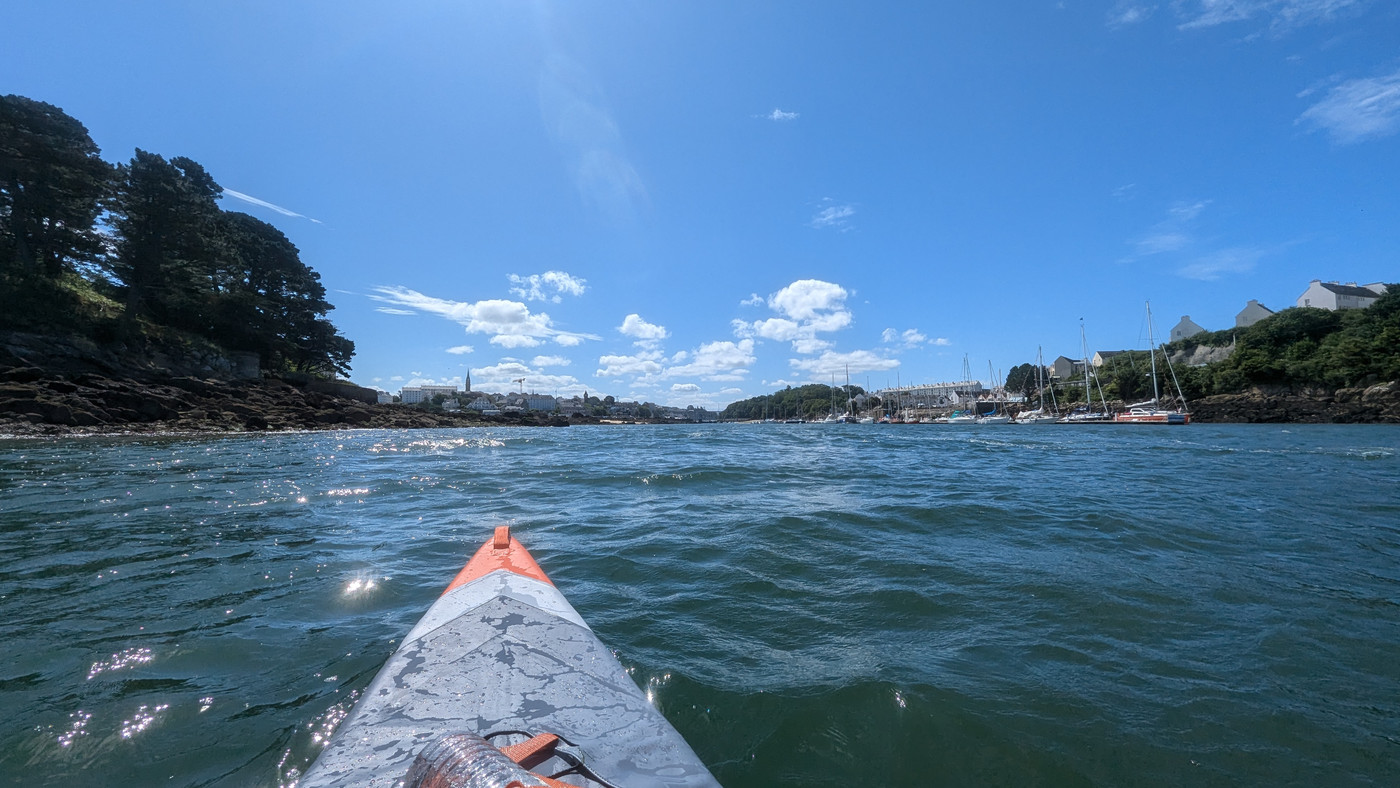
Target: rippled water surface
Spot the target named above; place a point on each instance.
(809, 605)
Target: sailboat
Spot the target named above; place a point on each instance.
(998, 415)
(1149, 412)
(965, 416)
(1039, 415)
(1087, 415)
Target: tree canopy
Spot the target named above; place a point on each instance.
(148, 238)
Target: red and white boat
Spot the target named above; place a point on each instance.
(1149, 413)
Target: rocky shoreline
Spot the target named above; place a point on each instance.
(1378, 404)
(34, 404)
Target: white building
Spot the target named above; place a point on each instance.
(412, 395)
(540, 402)
(1252, 313)
(1334, 295)
(1186, 328)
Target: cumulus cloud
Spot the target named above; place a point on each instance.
(717, 361)
(685, 387)
(547, 286)
(831, 363)
(550, 361)
(645, 333)
(805, 308)
(461, 350)
(780, 116)
(1358, 109)
(509, 323)
(641, 365)
(753, 300)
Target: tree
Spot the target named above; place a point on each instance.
(1021, 379)
(272, 303)
(168, 243)
(52, 181)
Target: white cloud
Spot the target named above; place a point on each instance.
(941, 342)
(810, 346)
(780, 116)
(503, 378)
(550, 361)
(1358, 109)
(388, 310)
(777, 328)
(753, 300)
(1282, 14)
(806, 308)
(515, 341)
(1129, 13)
(461, 349)
(808, 299)
(717, 361)
(509, 323)
(1186, 211)
(547, 286)
(1159, 243)
(830, 363)
(1226, 261)
(645, 333)
(685, 387)
(1172, 234)
(397, 379)
(836, 216)
(909, 338)
(640, 365)
(255, 201)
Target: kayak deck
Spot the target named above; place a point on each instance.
(503, 651)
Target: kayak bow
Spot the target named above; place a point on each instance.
(502, 656)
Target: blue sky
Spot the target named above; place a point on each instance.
(695, 202)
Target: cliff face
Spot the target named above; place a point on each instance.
(1378, 404)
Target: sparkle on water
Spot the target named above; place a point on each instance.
(807, 604)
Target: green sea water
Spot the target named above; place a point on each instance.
(808, 604)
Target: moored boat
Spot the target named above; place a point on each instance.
(502, 660)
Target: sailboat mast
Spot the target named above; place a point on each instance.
(1084, 342)
(1152, 345)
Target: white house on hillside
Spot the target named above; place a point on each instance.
(1186, 328)
(1334, 295)
(1252, 313)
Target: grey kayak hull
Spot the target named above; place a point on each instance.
(499, 652)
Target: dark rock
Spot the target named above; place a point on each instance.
(24, 374)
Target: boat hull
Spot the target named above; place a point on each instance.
(503, 650)
(1153, 417)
